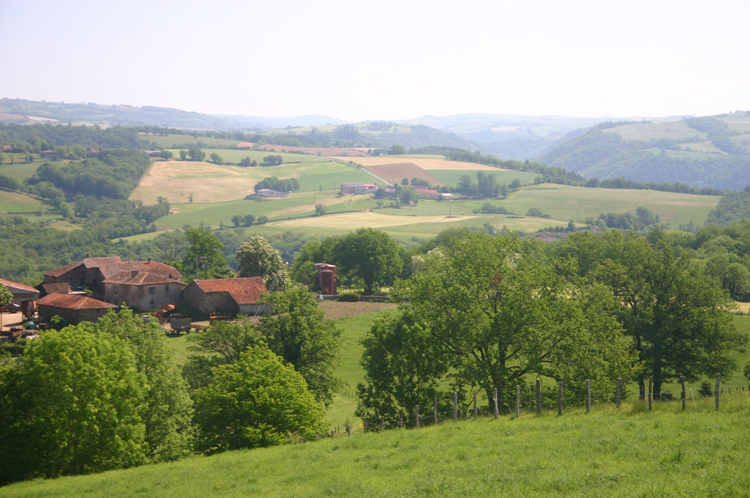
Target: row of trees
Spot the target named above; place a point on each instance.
(483, 312)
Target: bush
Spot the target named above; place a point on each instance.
(348, 297)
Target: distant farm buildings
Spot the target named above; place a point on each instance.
(152, 153)
(358, 188)
(20, 292)
(269, 193)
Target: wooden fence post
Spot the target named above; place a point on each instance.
(559, 397)
(365, 426)
(475, 404)
(497, 409)
(317, 436)
(455, 406)
(718, 389)
(348, 429)
(401, 418)
(381, 424)
(619, 391)
(333, 433)
(416, 411)
(684, 396)
(435, 411)
(588, 395)
(518, 401)
(538, 396)
(650, 382)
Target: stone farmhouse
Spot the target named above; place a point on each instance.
(20, 292)
(228, 295)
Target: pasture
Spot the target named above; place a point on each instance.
(675, 130)
(316, 151)
(428, 163)
(607, 452)
(235, 156)
(12, 202)
(174, 141)
(21, 170)
(396, 172)
(352, 221)
(504, 176)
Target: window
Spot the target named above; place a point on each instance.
(152, 290)
(114, 289)
(166, 289)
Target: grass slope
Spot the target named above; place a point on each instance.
(604, 453)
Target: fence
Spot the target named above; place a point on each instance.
(538, 404)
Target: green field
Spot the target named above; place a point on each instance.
(646, 131)
(604, 453)
(235, 156)
(21, 170)
(504, 177)
(11, 202)
(173, 141)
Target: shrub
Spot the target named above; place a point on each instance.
(348, 297)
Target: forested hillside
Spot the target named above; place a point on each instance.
(701, 152)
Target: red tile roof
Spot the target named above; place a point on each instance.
(73, 302)
(18, 286)
(141, 278)
(109, 266)
(63, 288)
(243, 290)
(428, 193)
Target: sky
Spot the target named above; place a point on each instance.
(382, 60)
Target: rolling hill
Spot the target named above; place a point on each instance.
(710, 151)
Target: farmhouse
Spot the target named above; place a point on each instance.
(72, 308)
(20, 292)
(358, 188)
(429, 194)
(47, 154)
(229, 295)
(142, 290)
(267, 192)
(97, 273)
(152, 153)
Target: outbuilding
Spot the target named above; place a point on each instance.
(73, 308)
(227, 295)
(20, 292)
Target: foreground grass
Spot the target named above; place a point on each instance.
(604, 453)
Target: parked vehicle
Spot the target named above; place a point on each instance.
(10, 308)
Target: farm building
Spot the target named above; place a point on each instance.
(152, 153)
(20, 292)
(72, 308)
(358, 188)
(267, 192)
(94, 273)
(228, 295)
(47, 289)
(47, 154)
(429, 194)
(142, 289)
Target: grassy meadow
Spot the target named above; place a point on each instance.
(665, 129)
(174, 141)
(12, 202)
(630, 452)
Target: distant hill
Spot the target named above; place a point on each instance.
(127, 115)
(709, 151)
(509, 136)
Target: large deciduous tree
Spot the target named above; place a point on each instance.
(500, 317)
(72, 406)
(256, 402)
(204, 244)
(371, 255)
(673, 311)
(257, 258)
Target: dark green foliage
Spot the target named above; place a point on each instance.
(537, 213)
(113, 174)
(733, 206)
(488, 208)
(348, 297)
(625, 221)
(550, 174)
(273, 183)
(272, 160)
(9, 183)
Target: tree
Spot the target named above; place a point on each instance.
(245, 162)
(256, 402)
(248, 220)
(6, 297)
(404, 181)
(403, 367)
(216, 158)
(167, 409)
(256, 258)
(236, 220)
(299, 333)
(673, 312)
(396, 149)
(320, 210)
(166, 154)
(196, 154)
(515, 184)
(408, 196)
(204, 244)
(262, 219)
(2, 158)
(183, 155)
(371, 255)
(71, 407)
(500, 316)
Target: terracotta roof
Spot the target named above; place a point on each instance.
(243, 290)
(73, 302)
(63, 288)
(109, 266)
(141, 278)
(18, 286)
(429, 193)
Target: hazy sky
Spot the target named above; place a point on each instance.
(382, 59)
